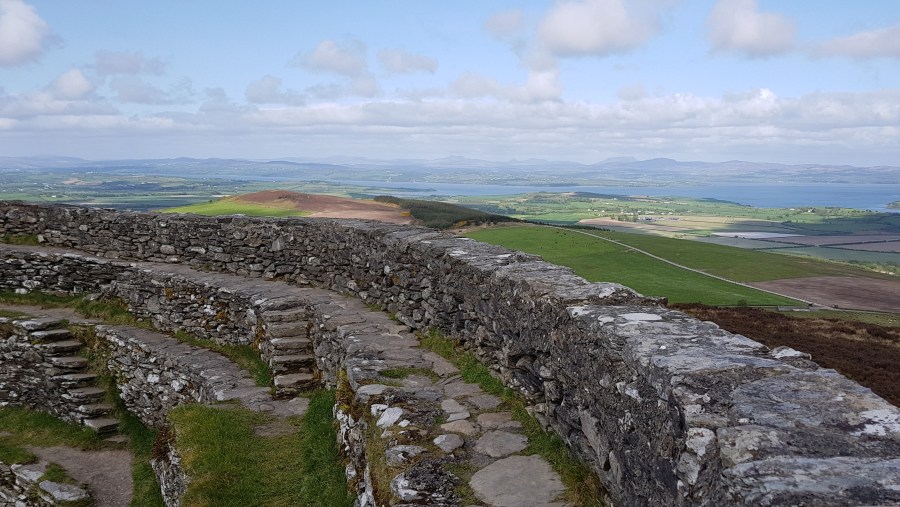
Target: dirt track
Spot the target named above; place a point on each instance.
(329, 206)
(841, 291)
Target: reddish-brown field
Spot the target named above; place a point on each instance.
(837, 240)
(329, 206)
(840, 291)
(887, 246)
(867, 353)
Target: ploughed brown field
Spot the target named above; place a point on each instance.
(866, 353)
(329, 206)
(840, 291)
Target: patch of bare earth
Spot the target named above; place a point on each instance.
(328, 206)
(846, 292)
(108, 473)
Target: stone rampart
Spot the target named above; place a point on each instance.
(668, 410)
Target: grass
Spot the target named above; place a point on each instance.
(583, 486)
(735, 263)
(10, 314)
(598, 260)
(38, 299)
(234, 206)
(20, 239)
(406, 371)
(230, 465)
(242, 355)
(31, 428)
(143, 479)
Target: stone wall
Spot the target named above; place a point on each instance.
(21, 486)
(667, 409)
(41, 370)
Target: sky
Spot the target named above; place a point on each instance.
(581, 80)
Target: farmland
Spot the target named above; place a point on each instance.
(598, 260)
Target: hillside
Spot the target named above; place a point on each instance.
(287, 203)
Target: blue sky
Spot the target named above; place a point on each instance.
(580, 80)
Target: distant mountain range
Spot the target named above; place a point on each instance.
(625, 171)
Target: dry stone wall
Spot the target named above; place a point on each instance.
(40, 369)
(669, 410)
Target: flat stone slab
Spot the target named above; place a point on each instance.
(498, 420)
(518, 481)
(448, 443)
(485, 401)
(464, 427)
(455, 389)
(497, 444)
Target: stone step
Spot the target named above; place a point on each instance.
(273, 316)
(95, 409)
(51, 335)
(291, 363)
(69, 362)
(40, 324)
(291, 382)
(289, 329)
(290, 344)
(103, 425)
(73, 380)
(85, 395)
(61, 347)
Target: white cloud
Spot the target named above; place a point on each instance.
(471, 86)
(72, 84)
(738, 26)
(632, 92)
(135, 90)
(397, 61)
(505, 24)
(125, 62)
(23, 34)
(540, 86)
(267, 90)
(594, 27)
(881, 42)
(853, 128)
(348, 59)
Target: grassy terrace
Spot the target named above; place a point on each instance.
(598, 260)
(236, 457)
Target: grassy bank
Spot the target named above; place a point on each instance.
(232, 462)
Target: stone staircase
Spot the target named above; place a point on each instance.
(69, 371)
(287, 348)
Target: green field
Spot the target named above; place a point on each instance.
(228, 206)
(598, 260)
(736, 263)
